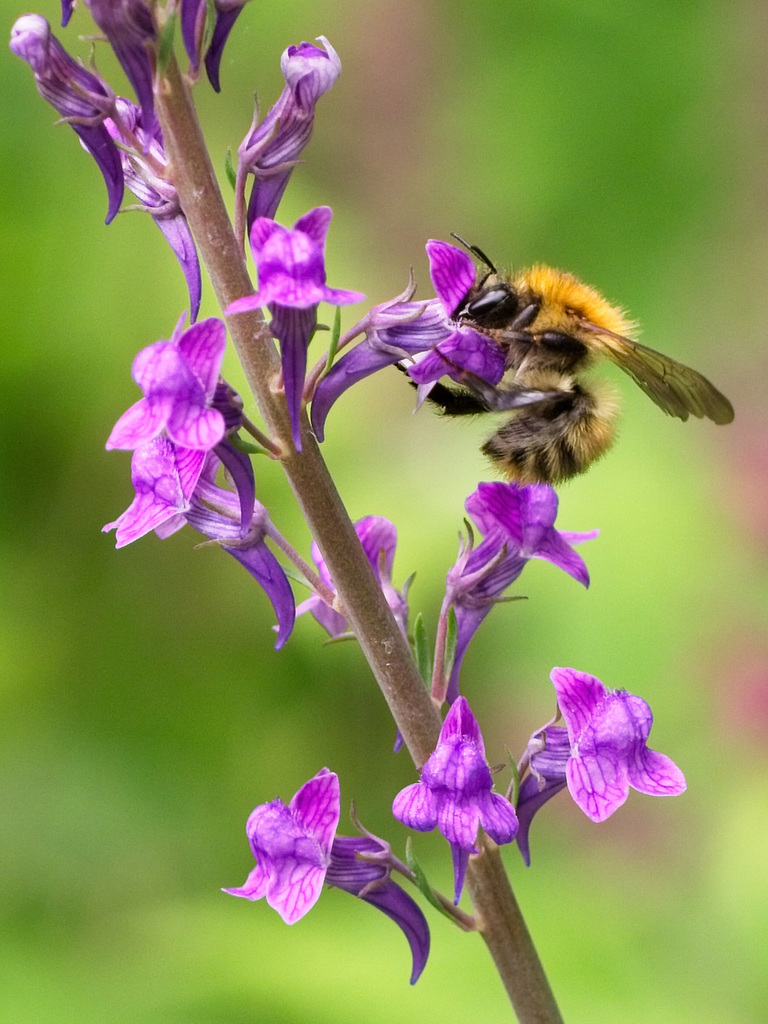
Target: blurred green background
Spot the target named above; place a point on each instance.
(144, 712)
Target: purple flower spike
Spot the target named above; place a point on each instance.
(518, 523)
(608, 730)
(82, 99)
(370, 880)
(378, 537)
(455, 793)
(271, 149)
(130, 29)
(292, 847)
(291, 269)
(178, 378)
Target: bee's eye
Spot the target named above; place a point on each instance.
(495, 305)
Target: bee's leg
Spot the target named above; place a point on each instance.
(511, 396)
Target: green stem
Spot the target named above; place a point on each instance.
(365, 607)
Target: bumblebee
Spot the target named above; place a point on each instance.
(553, 328)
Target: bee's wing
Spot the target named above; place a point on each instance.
(675, 388)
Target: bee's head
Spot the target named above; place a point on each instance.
(490, 303)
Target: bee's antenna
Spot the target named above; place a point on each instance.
(476, 251)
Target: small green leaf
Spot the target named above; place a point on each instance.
(421, 881)
(513, 790)
(335, 335)
(165, 42)
(451, 639)
(247, 447)
(229, 168)
(421, 652)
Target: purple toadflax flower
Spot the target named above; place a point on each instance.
(518, 523)
(297, 849)
(378, 537)
(608, 732)
(291, 270)
(292, 847)
(144, 168)
(195, 36)
(272, 149)
(599, 755)
(174, 486)
(422, 336)
(178, 378)
(456, 793)
(82, 99)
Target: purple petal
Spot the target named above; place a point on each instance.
(138, 425)
(579, 695)
(316, 805)
(498, 818)
(458, 819)
(332, 622)
(292, 847)
(598, 784)
(255, 887)
(415, 807)
(294, 888)
(163, 477)
(202, 347)
(315, 223)
(461, 724)
(657, 775)
(452, 272)
(555, 550)
(465, 351)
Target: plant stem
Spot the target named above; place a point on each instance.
(365, 607)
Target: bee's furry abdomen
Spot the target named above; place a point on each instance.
(556, 439)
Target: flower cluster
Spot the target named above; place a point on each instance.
(297, 850)
(190, 466)
(600, 753)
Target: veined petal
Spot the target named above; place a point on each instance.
(452, 272)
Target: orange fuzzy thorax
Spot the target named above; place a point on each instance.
(565, 300)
